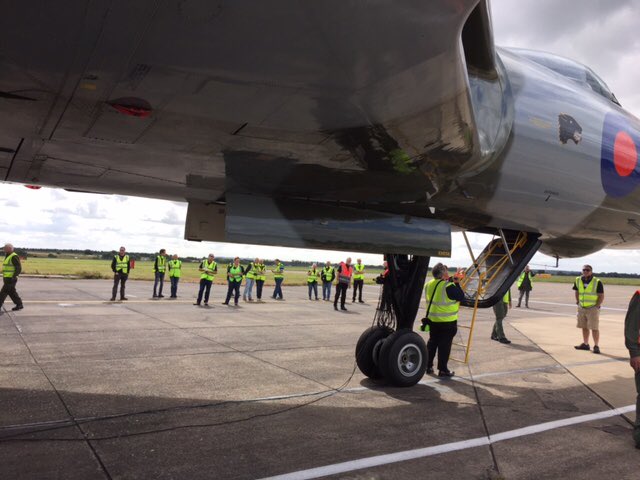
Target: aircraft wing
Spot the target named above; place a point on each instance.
(357, 104)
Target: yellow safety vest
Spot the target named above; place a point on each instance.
(122, 265)
(175, 268)
(312, 276)
(329, 273)
(507, 297)
(209, 269)
(8, 269)
(235, 274)
(521, 279)
(587, 296)
(279, 271)
(252, 273)
(359, 272)
(161, 263)
(261, 272)
(443, 309)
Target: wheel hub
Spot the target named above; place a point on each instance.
(409, 360)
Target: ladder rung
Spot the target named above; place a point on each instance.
(464, 326)
(456, 360)
(460, 344)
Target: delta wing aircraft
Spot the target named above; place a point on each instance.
(367, 126)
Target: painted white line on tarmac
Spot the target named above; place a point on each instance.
(378, 460)
(573, 305)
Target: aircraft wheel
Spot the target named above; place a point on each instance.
(403, 358)
(368, 348)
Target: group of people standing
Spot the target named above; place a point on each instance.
(254, 274)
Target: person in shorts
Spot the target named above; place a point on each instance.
(589, 293)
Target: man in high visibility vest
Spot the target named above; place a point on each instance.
(209, 268)
(235, 272)
(278, 277)
(525, 285)
(589, 293)
(175, 272)
(358, 280)
(632, 342)
(159, 269)
(312, 280)
(500, 309)
(261, 276)
(250, 273)
(345, 272)
(443, 301)
(11, 268)
(328, 274)
(121, 266)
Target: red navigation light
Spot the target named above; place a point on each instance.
(33, 187)
(132, 106)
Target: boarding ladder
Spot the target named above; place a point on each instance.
(491, 274)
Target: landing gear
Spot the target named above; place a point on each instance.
(390, 349)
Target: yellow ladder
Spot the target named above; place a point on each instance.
(480, 276)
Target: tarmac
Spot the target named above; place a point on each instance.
(164, 389)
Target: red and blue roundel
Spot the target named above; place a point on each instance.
(619, 166)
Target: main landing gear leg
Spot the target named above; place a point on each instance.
(390, 349)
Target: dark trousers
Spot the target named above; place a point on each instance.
(341, 292)
(259, 285)
(500, 309)
(233, 287)
(9, 290)
(526, 297)
(121, 278)
(205, 287)
(357, 284)
(326, 290)
(159, 280)
(636, 428)
(313, 287)
(174, 286)
(440, 339)
(277, 292)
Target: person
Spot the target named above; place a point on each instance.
(589, 293)
(250, 273)
(632, 342)
(235, 272)
(261, 276)
(345, 272)
(11, 268)
(443, 302)
(278, 276)
(121, 266)
(159, 268)
(501, 309)
(327, 275)
(209, 268)
(525, 285)
(175, 272)
(358, 280)
(312, 280)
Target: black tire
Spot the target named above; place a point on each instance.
(403, 358)
(369, 344)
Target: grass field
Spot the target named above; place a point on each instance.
(91, 268)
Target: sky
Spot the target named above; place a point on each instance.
(601, 34)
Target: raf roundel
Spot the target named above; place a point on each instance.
(619, 167)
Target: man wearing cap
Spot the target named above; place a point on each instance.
(589, 294)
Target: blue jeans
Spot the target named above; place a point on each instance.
(174, 286)
(326, 290)
(277, 292)
(248, 289)
(159, 279)
(313, 287)
(205, 287)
